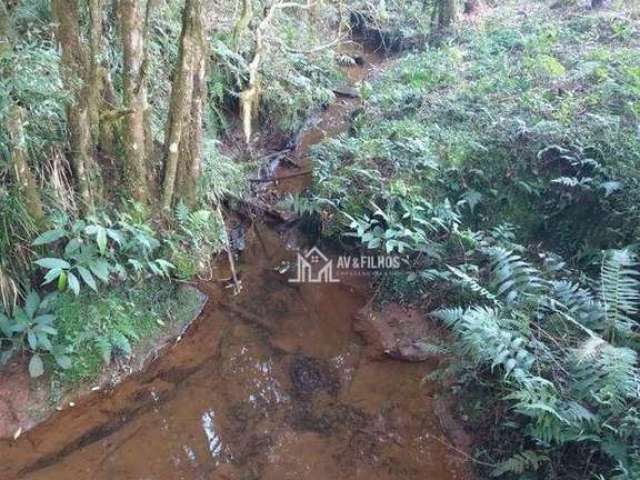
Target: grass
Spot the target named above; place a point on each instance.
(527, 118)
(100, 328)
(477, 114)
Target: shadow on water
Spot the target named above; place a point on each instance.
(269, 384)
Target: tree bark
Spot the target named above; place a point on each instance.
(23, 177)
(181, 98)
(5, 46)
(75, 73)
(95, 80)
(190, 160)
(135, 100)
(445, 14)
(242, 24)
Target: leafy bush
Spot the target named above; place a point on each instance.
(31, 327)
(97, 249)
(99, 329)
(567, 353)
(486, 162)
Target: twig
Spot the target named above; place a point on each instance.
(237, 287)
(460, 452)
(281, 177)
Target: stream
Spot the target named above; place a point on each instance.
(272, 383)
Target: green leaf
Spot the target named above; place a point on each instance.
(20, 316)
(44, 320)
(31, 303)
(32, 339)
(101, 239)
(100, 269)
(51, 263)
(36, 366)
(115, 235)
(74, 284)
(63, 361)
(6, 356)
(52, 275)
(49, 236)
(88, 278)
(5, 326)
(62, 281)
(72, 247)
(43, 342)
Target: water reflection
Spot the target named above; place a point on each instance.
(213, 439)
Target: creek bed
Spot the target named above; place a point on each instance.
(272, 383)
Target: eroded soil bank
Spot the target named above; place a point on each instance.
(273, 383)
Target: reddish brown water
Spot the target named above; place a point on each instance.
(269, 384)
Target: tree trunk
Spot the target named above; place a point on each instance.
(23, 177)
(181, 99)
(190, 160)
(95, 80)
(242, 24)
(75, 67)
(444, 15)
(135, 100)
(5, 46)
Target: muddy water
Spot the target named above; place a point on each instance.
(269, 384)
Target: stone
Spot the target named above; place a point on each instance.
(398, 332)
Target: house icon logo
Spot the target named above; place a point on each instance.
(314, 267)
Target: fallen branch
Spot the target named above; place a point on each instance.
(281, 177)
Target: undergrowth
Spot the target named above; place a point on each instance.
(502, 166)
(98, 330)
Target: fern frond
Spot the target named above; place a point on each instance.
(521, 462)
(512, 275)
(619, 291)
(605, 374)
(472, 284)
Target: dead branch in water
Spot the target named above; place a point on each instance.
(281, 177)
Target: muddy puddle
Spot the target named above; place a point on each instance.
(272, 383)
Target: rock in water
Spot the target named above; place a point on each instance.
(347, 91)
(400, 333)
(308, 376)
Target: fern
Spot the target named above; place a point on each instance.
(521, 462)
(513, 276)
(619, 291)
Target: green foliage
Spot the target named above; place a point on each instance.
(31, 327)
(568, 384)
(294, 80)
(17, 229)
(97, 249)
(198, 237)
(221, 177)
(620, 293)
(99, 329)
(521, 462)
(504, 167)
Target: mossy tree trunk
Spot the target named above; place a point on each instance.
(190, 160)
(135, 100)
(5, 46)
(181, 119)
(94, 76)
(445, 14)
(22, 176)
(75, 73)
(242, 24)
